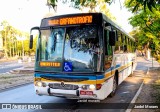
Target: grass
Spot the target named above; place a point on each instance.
(8, 76)
(9, 80)
(156, 86)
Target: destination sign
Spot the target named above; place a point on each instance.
(50, 64)
(71, 20)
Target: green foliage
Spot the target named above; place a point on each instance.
(147, 25)
(52, 3)
(91, 4)
(136, 5)
(15, 42)
(78, 3)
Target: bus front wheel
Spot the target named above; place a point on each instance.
(114, 87)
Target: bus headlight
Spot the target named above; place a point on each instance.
(92, 87)
(40, 84)
(44, 84)
(84, 87)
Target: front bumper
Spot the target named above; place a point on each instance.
(69, 94)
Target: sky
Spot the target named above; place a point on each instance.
(24, 14)
(121, 14)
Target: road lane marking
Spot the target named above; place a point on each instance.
(129, 86)
(125, 92)
(135, 97)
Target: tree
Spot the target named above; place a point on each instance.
(76, 3)
(4, 34)
(92, 3)
(147, 27)
(150, 4)
(14, 40)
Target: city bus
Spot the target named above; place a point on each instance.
(81, 56)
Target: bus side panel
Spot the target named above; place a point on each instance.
(120, 77)
(125, 61)
(108, 87)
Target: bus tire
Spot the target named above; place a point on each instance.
(114, 87)
(131, 75)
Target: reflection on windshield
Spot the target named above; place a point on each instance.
(52, 50)
(80, 45)
(82, 39)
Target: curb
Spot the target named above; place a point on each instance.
(12, 87)
(22, 70)
(136, 95)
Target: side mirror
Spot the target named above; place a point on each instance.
(31, 42)
(31, 36)
(112, 38)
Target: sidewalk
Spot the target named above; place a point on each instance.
(144, 64)
(28, 67)
(148, 93)
(152, 61)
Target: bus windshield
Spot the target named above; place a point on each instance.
(76, 46)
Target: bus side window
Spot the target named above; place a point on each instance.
(129, 45)
(108, 51)
(125, 44)
(116, 50)
(119, 43)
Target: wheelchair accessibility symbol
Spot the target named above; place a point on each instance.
(67, 66)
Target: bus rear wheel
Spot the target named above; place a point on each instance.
(131, 72)
(114, 87)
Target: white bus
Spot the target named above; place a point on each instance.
(81, 56)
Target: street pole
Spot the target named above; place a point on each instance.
(152, 61)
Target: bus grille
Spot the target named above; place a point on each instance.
(66, 86)
(66, 79)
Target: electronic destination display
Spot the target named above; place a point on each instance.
(72, 19)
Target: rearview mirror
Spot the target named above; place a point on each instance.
(112, 38)
(32, 35)
(31, 42)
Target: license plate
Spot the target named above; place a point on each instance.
(86, 92)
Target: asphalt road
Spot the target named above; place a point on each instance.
(26, 94)
(125, 93)
(8, 66)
